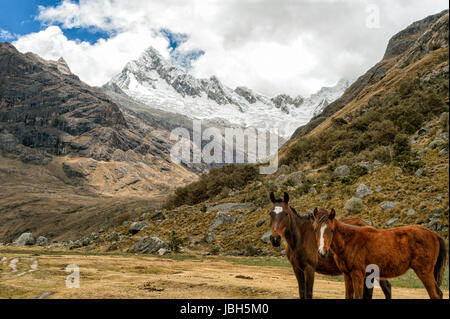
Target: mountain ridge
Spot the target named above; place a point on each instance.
(152, 80)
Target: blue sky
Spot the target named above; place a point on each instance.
(18, 18)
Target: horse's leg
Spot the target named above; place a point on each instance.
(301, 282)
(386, 287)
(429, 282)
(367, 292)
(348, 287)
(309, 278)
(358, 284)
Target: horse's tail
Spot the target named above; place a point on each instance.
(439, 267)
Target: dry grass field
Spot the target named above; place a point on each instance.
(176, 276)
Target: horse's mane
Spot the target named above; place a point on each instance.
(307, 217)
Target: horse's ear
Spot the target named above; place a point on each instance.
(316, 212)
(332, 214)
(272, 197)
(286, 198)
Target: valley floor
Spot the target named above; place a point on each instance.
(177, 276)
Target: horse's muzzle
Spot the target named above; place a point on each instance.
(322, 253)
(275, 240)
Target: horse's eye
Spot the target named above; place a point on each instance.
(285, 214)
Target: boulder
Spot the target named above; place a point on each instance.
(265, 238)
(26, 239)
(353, 205)
(279, 180)
(162, 251)
(74, 244)
(419, 172)
(148, 245)
(136, 227)
(221, 219)
(342, 171)
(391, 221)
(362, 191)
(229, 207)
(261, 222)
(86, 241)
(42, 241)
(388, 205)
(112, 247)
(296, 177)
(209, 238)
(113, 236)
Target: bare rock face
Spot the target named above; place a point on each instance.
(148, 245)
(26, 239)
(44, 106)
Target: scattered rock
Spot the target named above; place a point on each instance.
(148, 245)
(354, 205)
(342, 171)
(366, 165)
(261, 222)
(388, 205)
(86, 241)
(410, 212)
(265, 238)
(136, 227)
(362, 191)
(112, 247)
(113, 236)
(434, 224)
(378, 189)
(279, 180)
(209, 238)
(419, 172)
(229, 207)
(74, 244)
(391, 221)
(42, 241)
(26, 239)
(296, 177)
(162, 251)
(221, 219)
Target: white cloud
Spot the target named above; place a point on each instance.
(6, 35)
(270, 46)
(93, 63)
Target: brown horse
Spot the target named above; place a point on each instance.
(301, 247)
(391, 251)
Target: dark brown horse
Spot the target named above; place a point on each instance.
(391, 251)
(301, 247)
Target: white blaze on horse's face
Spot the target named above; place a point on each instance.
(322, 241)
(278, 209)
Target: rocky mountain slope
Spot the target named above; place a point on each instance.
(63, 132)
(403, 49)
(157, 83)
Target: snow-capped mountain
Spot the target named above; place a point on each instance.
(154, 81)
